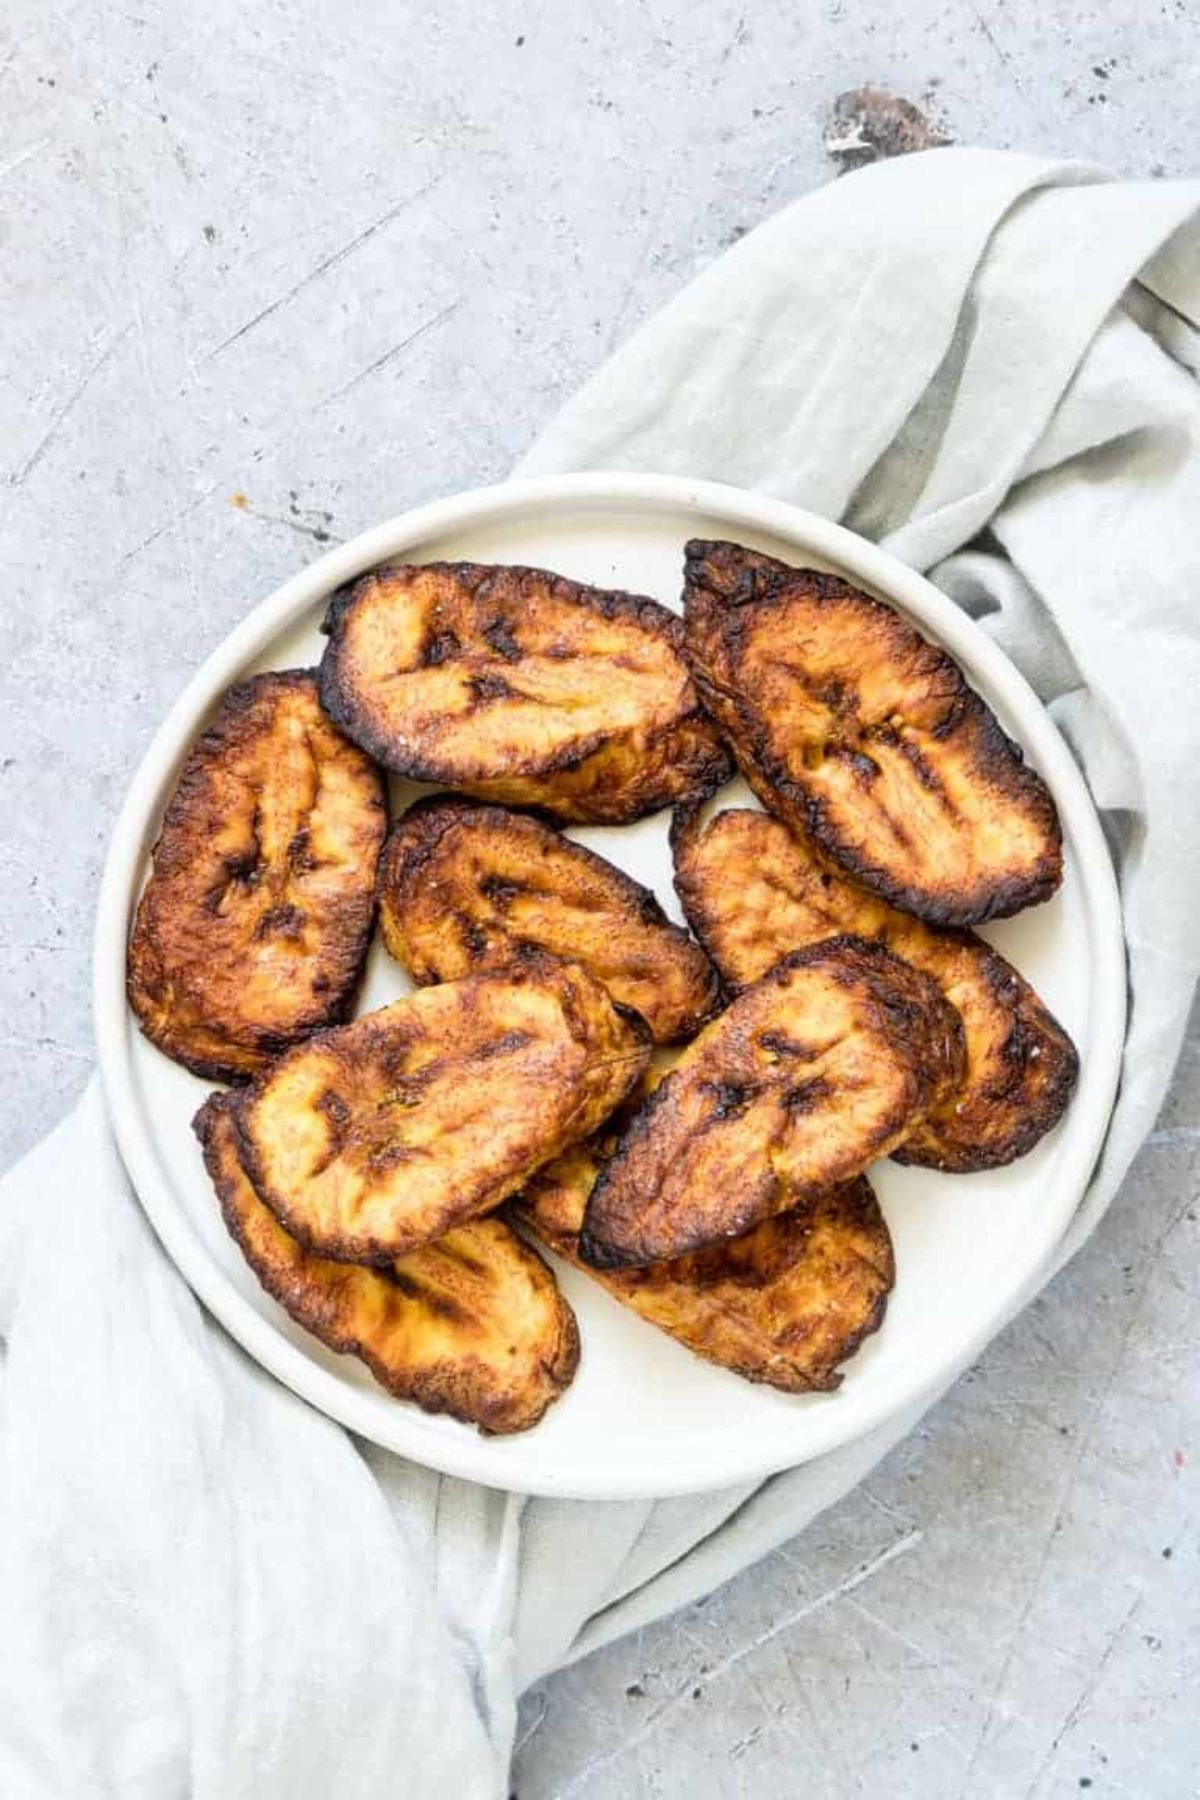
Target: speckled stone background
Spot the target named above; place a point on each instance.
(271, 272)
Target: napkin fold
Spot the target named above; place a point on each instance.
(989, 363)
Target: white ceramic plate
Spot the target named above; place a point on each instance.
(644, 1416)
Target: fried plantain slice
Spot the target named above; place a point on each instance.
(520, 686)
(473, 1325)
(465, 887)
(866, 740)
(826, 1063)
(784, 1305)
(752, 893)
(379, 1136)
(253, 927)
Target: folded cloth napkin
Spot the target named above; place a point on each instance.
(989, 363)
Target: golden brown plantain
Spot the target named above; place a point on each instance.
(253, 927)
(866, 740)
(752, 893)
(825, 1064)
(465, 887)
(379, 1136)
(520, 686)
(783, 1305)
(473, 1325)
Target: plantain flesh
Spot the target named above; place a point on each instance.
(464, 887)
(752, 893)
(785, 1305)
(519, 686)
(253, 927)
(379, 1136)
(473, 1325)
(866, 741)
(825, 1064)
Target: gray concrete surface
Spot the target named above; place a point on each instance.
(272, 272)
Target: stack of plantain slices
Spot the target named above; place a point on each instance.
(833, 1005)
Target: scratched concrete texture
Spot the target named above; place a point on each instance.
(273, 272)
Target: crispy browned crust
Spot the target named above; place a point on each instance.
(519, 686)
(473, 1325)
(379, 1136)
(866, 740)
(785, 1305)
(812, 1073)
(752, 893)
(253, 928)
(464, 887)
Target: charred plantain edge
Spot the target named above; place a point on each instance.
(343, 704)
(432, 818)
(421, 832)
(366, 1250)
(603, 1256)
(370, 1250)
(207, 1068)
(765, 584)
(171, 1044)
(994, 899)
(779, 1370)
(145, 975)
(1039, 1120)
(997, 899)
(686, 830)
(935, 1143)
(610, 603)
(871, 957)
(416, 836)
(712, 766)
(499, 1418)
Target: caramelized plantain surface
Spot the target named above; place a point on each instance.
(825, 1064)
(381, 1135)
(784, 1305)
(473, 1325)
(253, 927)
(866, 740)
(519, 686)
(464, 887)
(752, 893)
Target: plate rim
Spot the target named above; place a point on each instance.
(496, 1462)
